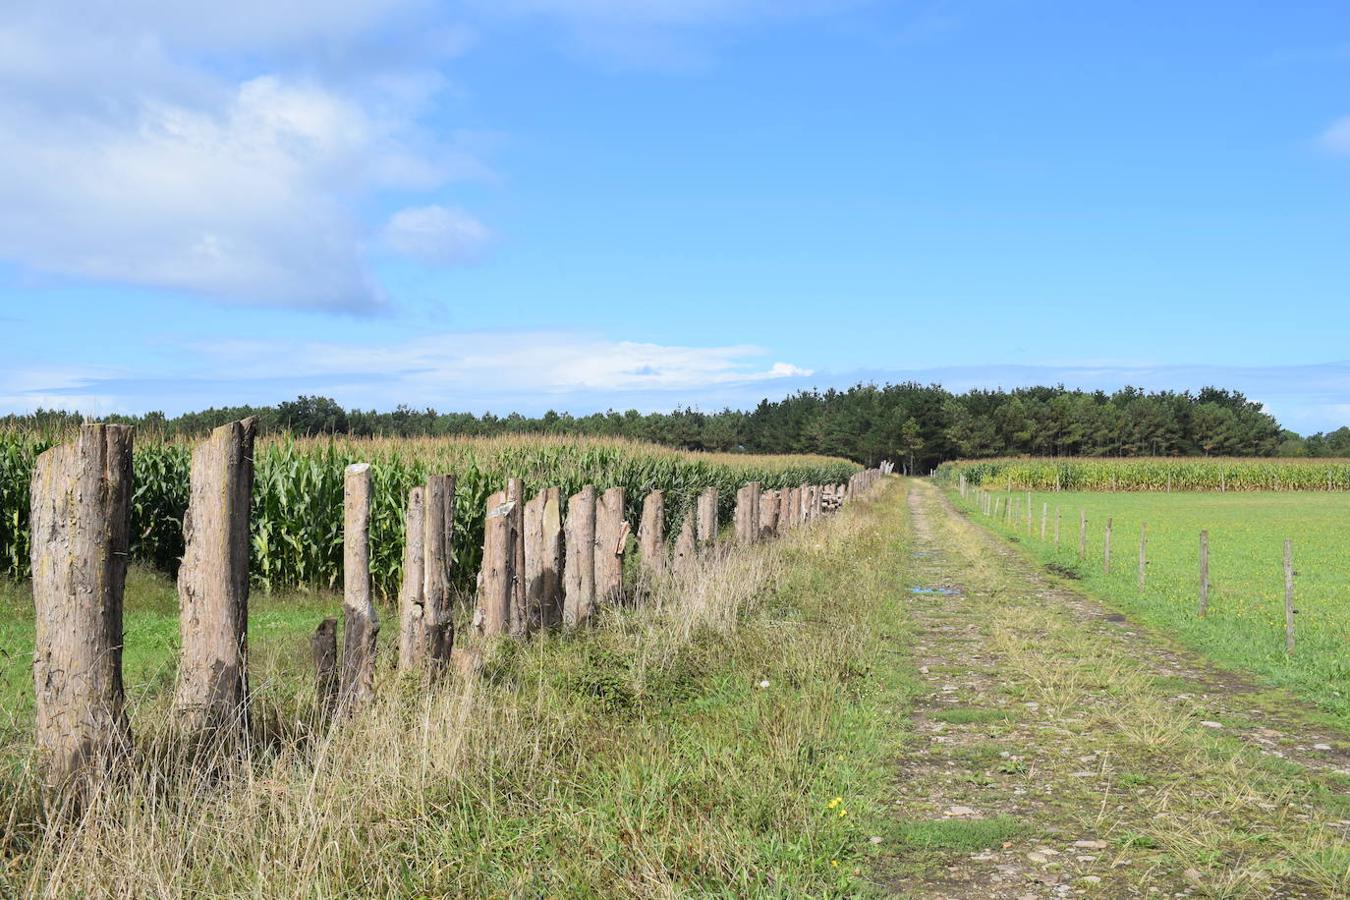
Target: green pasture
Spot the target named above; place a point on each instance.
(1245, 624)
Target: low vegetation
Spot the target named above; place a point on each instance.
(1165, 474)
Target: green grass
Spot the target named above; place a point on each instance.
(1244, 627)
(958, 835)
(969, 716)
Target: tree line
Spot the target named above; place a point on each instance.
(915, 424)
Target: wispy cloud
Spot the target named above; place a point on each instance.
(1336, 139)
(528, 371)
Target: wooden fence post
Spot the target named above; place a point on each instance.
(80, 514)
(519, 625)
(1288, 596)
(212, 690)
(768, 514)
(685, 551)
(784, 514)
(1059, 514)
(1143, 555)
(611, 539)
(705, 527)
(1082, 535)
(1028, 513)
(544, 559)
(1106, 559)
(497, 583)
(1045, 515)
(652, 534)
(1203, 607)
(360, 622)
(323, 646)
(411, 610)
(579, 572)
(747, 513)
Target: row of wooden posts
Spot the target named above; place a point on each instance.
(998, 507)
(540, 569)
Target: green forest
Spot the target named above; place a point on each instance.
(917, 425)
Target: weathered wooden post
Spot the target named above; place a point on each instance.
(519, 625)
(685, 550)
(611, 539)
(1143, 555)
(652, 534)
(705, 530)
(412, 632)
(1082, 535)
(80, 520)
(783, 517)
(426, 623)
(1028, 513)
(323, 646)
(1045, 516)
(1288, 596)
(768, 514)
(212, 690)
(496, 590)
(360, 622)
(1203, 608)
(579, 572)
(544, 558)
(1059, 514)
(1106, 558)
(747, 513)
(817, 499)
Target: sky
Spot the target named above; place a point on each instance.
(589, 204)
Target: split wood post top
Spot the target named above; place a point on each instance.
(213, 582)
(496, 591)
(611, 538)
(80, 509)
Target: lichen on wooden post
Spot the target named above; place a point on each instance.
(611, 539)
(212, 690)
(80, 514)
(360, 621)
(579, 570)
(652, 534)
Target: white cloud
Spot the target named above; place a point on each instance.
(1336, 139)
(130, 159)
(437, 234)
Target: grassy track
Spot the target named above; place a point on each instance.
(1244, 627)
(1058, 751)
(733, 738)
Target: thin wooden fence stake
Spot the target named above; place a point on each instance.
(1107, 557)
(1082, 535)
(1203, 609)
(1288, 596)
(1143, 554)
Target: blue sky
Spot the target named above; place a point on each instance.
(580, 204)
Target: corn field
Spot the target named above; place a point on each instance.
(1150, 474)
(297, 493)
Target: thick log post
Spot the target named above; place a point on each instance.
(213, 582)
(783, 517)
(817, 499)
(579, 570)
(496, 588)
(611, 539)
(519, 626)
(411, 634)
(803, 503)
(323, 645)
(360, 622)
(686, 552)
(768, 514)
(705, 526)
(652, 534)
(747, 513)
(544, 559)
(80, 508)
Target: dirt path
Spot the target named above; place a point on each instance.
(1060, 751)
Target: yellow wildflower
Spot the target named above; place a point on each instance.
(835, 802)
